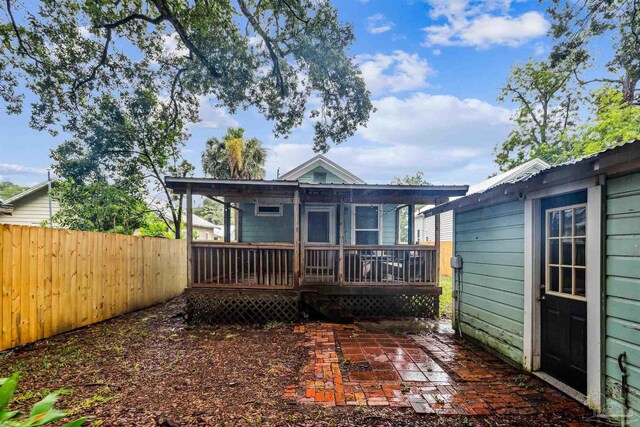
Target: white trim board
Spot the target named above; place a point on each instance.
(532, 281)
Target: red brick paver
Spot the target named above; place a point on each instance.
(431, 372)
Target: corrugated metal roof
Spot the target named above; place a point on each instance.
(528, 177)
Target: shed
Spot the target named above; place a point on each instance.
(550, 275)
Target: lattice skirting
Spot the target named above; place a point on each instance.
(242, 307)
(398, 305)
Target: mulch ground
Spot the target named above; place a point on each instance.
(151, 368)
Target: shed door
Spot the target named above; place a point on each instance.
(564, 300)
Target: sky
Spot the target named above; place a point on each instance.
(434, 68)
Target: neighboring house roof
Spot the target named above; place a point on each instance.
(27, 192)
(518, 173)
(616, 159)
(201, 222)
(321, 161)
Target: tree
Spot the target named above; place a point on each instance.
(417, 179)
(8, 189)
(546, 108)
(234, 157)
(210, 210)
(403, 214)
(615, 122)
(275, 56)
(129, 143)
(97, 206)
(576, 24)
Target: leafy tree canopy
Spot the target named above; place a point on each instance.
(546, 108)
(234, 157)
(97, 206)
(417, 179)
(615, 122)
(272, 55)
(127, 143)
(8, 189)
(211, 210)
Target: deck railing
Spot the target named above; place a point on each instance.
(371, 265)
(271, 266)
(242, 265)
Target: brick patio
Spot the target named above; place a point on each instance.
(433, 372)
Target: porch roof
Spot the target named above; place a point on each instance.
(348, 193)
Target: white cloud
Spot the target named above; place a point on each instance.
(15, 169)
(213, 117)
(450, 139)
(400, 71)
(481, 24)
(173, 45)
(378, 24)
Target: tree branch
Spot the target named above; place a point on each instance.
(268, 43)
(132, 17)
(164, 11)
(103, 60)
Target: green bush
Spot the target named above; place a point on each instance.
(42, 412)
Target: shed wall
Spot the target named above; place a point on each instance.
(491, 243)
(622, 295)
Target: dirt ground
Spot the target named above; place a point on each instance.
(150, 368)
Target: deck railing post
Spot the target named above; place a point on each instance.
(296, 238)
(341, 250)
(189, 237)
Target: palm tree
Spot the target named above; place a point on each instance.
(233, 157)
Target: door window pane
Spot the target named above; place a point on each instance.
(367, 217)
(554, 279)
(366, 237)
(580, 222)
(554, 224)
(318, 227)
(580, 281)
(567, 222)
(567, 280)
(554, 251)
(581, 249)
(566, 252)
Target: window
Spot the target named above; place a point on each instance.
(366, 225)
(320, 177)
(265, 209)
(566, 231)
(418, 235)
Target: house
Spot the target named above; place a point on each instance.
(31, 206)
(318, 233)
(34, 207)
(550, 275)
(425, 226)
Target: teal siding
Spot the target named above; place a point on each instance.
(266, 228)
(331, 177)
(622, 305)
(491, 243)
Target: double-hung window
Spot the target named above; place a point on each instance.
(366, 224)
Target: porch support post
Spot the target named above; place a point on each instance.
(437, 236)
(303, 252)
(189, 237)
(410, 222)
(341, 250)
(227, 222)
(296, 238)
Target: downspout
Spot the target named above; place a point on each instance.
(624, 373)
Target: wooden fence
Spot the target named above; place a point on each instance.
(53, 281)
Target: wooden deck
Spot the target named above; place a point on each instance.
(271, 266)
